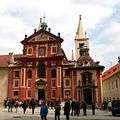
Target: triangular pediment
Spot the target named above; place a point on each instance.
(42, 35)
(41, 81)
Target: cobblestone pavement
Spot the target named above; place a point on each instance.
(100, 115)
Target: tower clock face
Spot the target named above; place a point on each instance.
(41, 37)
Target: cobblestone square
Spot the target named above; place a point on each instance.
(100, 115)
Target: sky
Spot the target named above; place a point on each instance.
(101, 20)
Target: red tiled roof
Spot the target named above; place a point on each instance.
(113, 70)
(4, 60)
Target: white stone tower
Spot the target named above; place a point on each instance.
(80, 39)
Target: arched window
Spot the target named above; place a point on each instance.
(87, 78)
(41, 71)
(29, 73)
(53, 73)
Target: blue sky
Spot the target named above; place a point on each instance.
(101, 20)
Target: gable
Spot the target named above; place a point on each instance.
(41, 36)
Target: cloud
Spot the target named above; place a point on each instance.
(103, 3)
(100, 19)
(107, 46)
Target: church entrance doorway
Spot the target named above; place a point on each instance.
(87, 96)
(41, 94)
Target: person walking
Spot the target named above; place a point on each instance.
(73, 107)
(24, 106)
(32, 105)
(93, 109)
(84, 106)
(5, 103)
(57, 111)
(67, 110)
(43, 111)
(16, 105)
(9, 104)
(109, 105)
(78, 108)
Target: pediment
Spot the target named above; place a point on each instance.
(41, 81)
(42, 37)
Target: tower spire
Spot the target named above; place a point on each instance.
(81, 39)
(80, 17)
(80, 30)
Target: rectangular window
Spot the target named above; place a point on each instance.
(81, 45)
(29, 93)
(67, 94)
(116, 84)
(67, 82)
(67, 72)
(29, 83)
(112, 85)
(53, 93)
(17, 74)
(41, 51)
(29, 50)
(29, 73)
(109, 86)
(16, 83)
(54, 49)
(16, 93)
(53, 83)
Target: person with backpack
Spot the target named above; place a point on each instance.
(57, 110)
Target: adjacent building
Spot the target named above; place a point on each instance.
(44, 72)
(4, 72)
(111, 83)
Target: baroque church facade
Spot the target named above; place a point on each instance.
(44, 72)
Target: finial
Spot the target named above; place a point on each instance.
(35, 30)
(118, 58)
(40, 20)
(58, 34)
(49, 29)
(85, 33)
(44, 18)
(80, 17)
(25, 36)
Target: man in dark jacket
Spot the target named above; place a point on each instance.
(57, 110)
(67, 110)
(32, 105)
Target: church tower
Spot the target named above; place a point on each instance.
(80, 39)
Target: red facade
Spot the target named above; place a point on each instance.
(43, 72)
